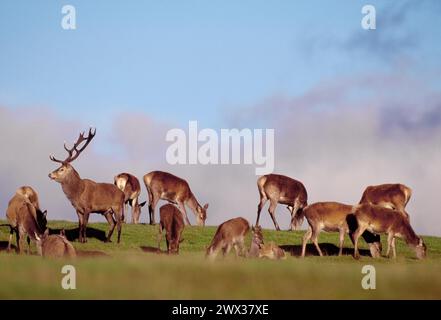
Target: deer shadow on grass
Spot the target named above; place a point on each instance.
(73, 234)
(328, 249)
(4, 246)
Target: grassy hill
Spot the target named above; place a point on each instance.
(132, 270)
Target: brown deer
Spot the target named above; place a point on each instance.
(129, 184)
(327, 216)
(54, 246)
(24, 220)
(284, 190)
(171, 220)
(378, 219)
(165, 186)
(86, 195)
(229, 234)
(393, 196)
(260, 250)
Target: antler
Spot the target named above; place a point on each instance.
(74, 152)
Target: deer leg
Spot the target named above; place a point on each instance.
(80, 227)
(293, 211)
(342, 240)
(315, 233)
(181, 207)
(134, 203)
(109, 217)
(306, 238)
(11, 234)
(357, 235)
(262, 202)
(226, 249)
(394, 252)
(21, 235)
(153, 201)
(85, 221)
(271, 210)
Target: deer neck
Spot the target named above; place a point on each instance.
(192, 203)
(72, 186)
(410, 236)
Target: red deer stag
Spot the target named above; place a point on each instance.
(171, 220)
(24, 219)
(86, 195)
(284, 190)
(378, 219)
(129, 184)
(393, 196)
(229, 234)
(165, 186)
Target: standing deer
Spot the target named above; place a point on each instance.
(86, 195)
(171, 220)
(129, 184)
(393, 196)
(284, 190)
(165, 186)
(25, 220)
(327, 216)
(378, 219)
(229, 234)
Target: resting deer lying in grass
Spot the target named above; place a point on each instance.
(170, 220)
(129, 184)
(229, 234)
(54, 246)
(25, 220)
(327, 216)
(281, 189)
(86, 195)
(378, 219)
(260, 250)
(165, 186)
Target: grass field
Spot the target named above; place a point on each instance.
(130, 271)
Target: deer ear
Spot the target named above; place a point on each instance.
(37, 237)
(206, 206)
(142, 204)
(46, 232)
(63, 232)
(45, 213)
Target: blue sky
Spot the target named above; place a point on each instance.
(182, 60)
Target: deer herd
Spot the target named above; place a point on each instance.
(381, 210)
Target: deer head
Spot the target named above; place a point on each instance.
(202, 214)
(65, 170)
(420, 249)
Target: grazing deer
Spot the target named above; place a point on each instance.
(229, 234)
(284, 190)
(327, 216)
(30, 194)
(260, 250)
(171, 220)
(393, 196)
(54, 246)
(165, 186)
(129, 184)
(24, 219)
(86, 195)
(378, 219)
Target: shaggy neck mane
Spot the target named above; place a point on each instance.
(72, 186)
